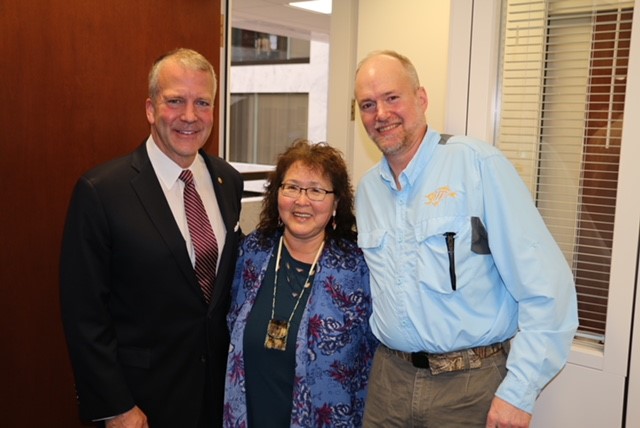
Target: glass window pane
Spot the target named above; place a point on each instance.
(263, 125)
(253, 47)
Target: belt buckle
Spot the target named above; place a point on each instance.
(420, 360)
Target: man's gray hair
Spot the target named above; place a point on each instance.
(188, 58)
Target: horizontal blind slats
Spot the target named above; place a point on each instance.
(563, 78)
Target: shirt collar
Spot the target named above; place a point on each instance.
(416, 166)
(167, 170)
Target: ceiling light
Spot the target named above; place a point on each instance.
(320, 6)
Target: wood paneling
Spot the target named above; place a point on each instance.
(73, 77)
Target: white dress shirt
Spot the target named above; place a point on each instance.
(168, 173)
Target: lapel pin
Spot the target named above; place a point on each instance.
(220, 180)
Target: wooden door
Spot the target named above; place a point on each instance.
(73, 78)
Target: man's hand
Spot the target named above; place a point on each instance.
(504, 415)
(134, 418)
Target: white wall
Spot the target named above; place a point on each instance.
(631, 179)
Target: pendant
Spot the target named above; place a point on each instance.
(277, 332)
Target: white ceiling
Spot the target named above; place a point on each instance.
(276, 16)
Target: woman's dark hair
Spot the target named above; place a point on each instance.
(326, 161)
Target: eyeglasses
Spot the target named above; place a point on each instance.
(313, 193)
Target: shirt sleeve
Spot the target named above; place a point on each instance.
(536, 274)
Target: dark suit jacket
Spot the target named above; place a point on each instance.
(138, 329)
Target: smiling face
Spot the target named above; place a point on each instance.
(305, 220)
(181, 113)
(392, 106)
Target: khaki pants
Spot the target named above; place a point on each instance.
(403, 396)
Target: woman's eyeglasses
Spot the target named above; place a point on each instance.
(313, 193)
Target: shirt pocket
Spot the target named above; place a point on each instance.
(373, 244)
(444, 244)
(371, 240)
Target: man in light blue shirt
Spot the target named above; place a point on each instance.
(472, 298)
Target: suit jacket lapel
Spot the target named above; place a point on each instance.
(152, 198)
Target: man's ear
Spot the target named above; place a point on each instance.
(151, 111)
(421, 93)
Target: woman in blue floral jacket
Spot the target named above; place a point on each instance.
(301, 348)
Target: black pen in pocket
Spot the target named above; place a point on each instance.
(450, 236)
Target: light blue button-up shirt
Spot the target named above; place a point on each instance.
(504, 276)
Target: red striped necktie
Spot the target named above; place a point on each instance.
(202, 236)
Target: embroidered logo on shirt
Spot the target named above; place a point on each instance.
(434, 198)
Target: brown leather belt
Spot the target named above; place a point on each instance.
(452, 361)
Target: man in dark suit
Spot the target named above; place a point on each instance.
(147, 345)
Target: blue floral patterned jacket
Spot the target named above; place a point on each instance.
(334, 347)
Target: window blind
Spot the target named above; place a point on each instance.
(562, 92)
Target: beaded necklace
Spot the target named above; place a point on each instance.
(278, 330)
